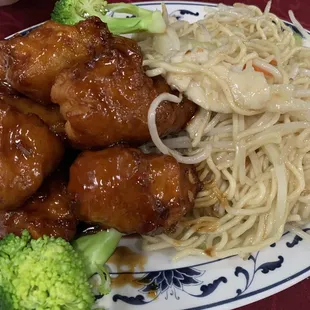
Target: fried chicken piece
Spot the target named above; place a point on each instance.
(106, 100)
(29, 152)
(34, 60)
(131, 191)
(49, 114)
(49, 212)
(2, 61)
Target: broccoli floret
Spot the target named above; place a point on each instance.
(42, 274)
(49, 274)
(71, 12)
(6, 287)
(95, 250)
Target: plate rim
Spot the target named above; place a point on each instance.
(243, 299)
(147, 3)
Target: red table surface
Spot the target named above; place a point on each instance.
(26, 13)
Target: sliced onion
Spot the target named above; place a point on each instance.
(298, 25)
(194, 159)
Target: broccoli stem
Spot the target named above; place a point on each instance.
(122, 7)
(152, 23)
(144, 20)
(96, 249)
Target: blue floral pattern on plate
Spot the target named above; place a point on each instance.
(181, 14)
(264, 268)
(169, 282)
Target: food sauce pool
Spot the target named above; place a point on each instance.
(126, 262)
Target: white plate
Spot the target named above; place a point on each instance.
(200, 283)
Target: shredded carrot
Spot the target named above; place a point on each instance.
(258, 69)
(274, 62)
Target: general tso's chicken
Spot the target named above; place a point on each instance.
(29, 152)
(106, 100)
(49, 212)
(49, 114)
(131, 191)
(34, 60)
(2, 62)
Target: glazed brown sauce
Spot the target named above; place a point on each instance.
(152, 294)
(124, 279)
(126, 260)
(207, 227)
(209, 252)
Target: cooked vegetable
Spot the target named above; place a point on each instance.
(95, 250)
(72, 11)
(42, 274)
(298, 39)
(48, 273)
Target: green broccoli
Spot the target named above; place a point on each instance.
(71, 12)
(42, 274)
(48, 273)
(298, 39)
